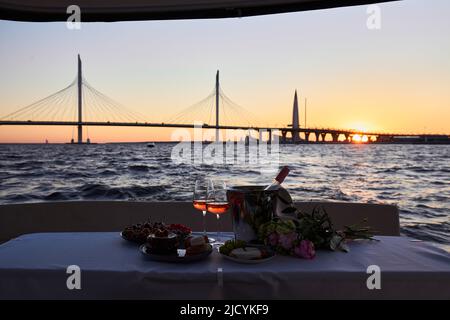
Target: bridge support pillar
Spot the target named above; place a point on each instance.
(307, 136)
(317, 136)
(335, 137)
(323, 135)
(80, 133)
(348, 138)
(270, 136)
(295, 136)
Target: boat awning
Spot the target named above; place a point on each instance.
(127, 10)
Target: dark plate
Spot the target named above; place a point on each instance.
(175, 258)
(131, 240)
(142, 242)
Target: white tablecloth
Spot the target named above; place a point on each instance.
(34, 266)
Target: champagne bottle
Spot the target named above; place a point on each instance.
(278, 179)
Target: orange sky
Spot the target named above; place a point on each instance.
(395, 79)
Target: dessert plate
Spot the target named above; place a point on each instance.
(179, 257)
(131, 240)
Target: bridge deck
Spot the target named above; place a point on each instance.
(205, 126)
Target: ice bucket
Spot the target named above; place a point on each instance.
(252, 206)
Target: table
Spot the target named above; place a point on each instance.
(34, 266)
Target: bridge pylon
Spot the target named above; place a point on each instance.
(217, 106)
(295, 120)
(80, 102)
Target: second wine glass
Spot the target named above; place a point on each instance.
(217, 203)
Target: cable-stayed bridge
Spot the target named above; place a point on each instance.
(81, 105)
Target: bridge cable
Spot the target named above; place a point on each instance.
(37, 103)
(191, 111)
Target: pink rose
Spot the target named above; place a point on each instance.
(286, 241)
(273, 239)
(305, 250)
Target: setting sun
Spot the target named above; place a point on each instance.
(360, 139)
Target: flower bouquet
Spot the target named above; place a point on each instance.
(301, 234)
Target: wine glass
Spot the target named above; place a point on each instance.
(217, 203)
(199, 201)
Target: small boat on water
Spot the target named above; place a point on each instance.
(151, 145)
